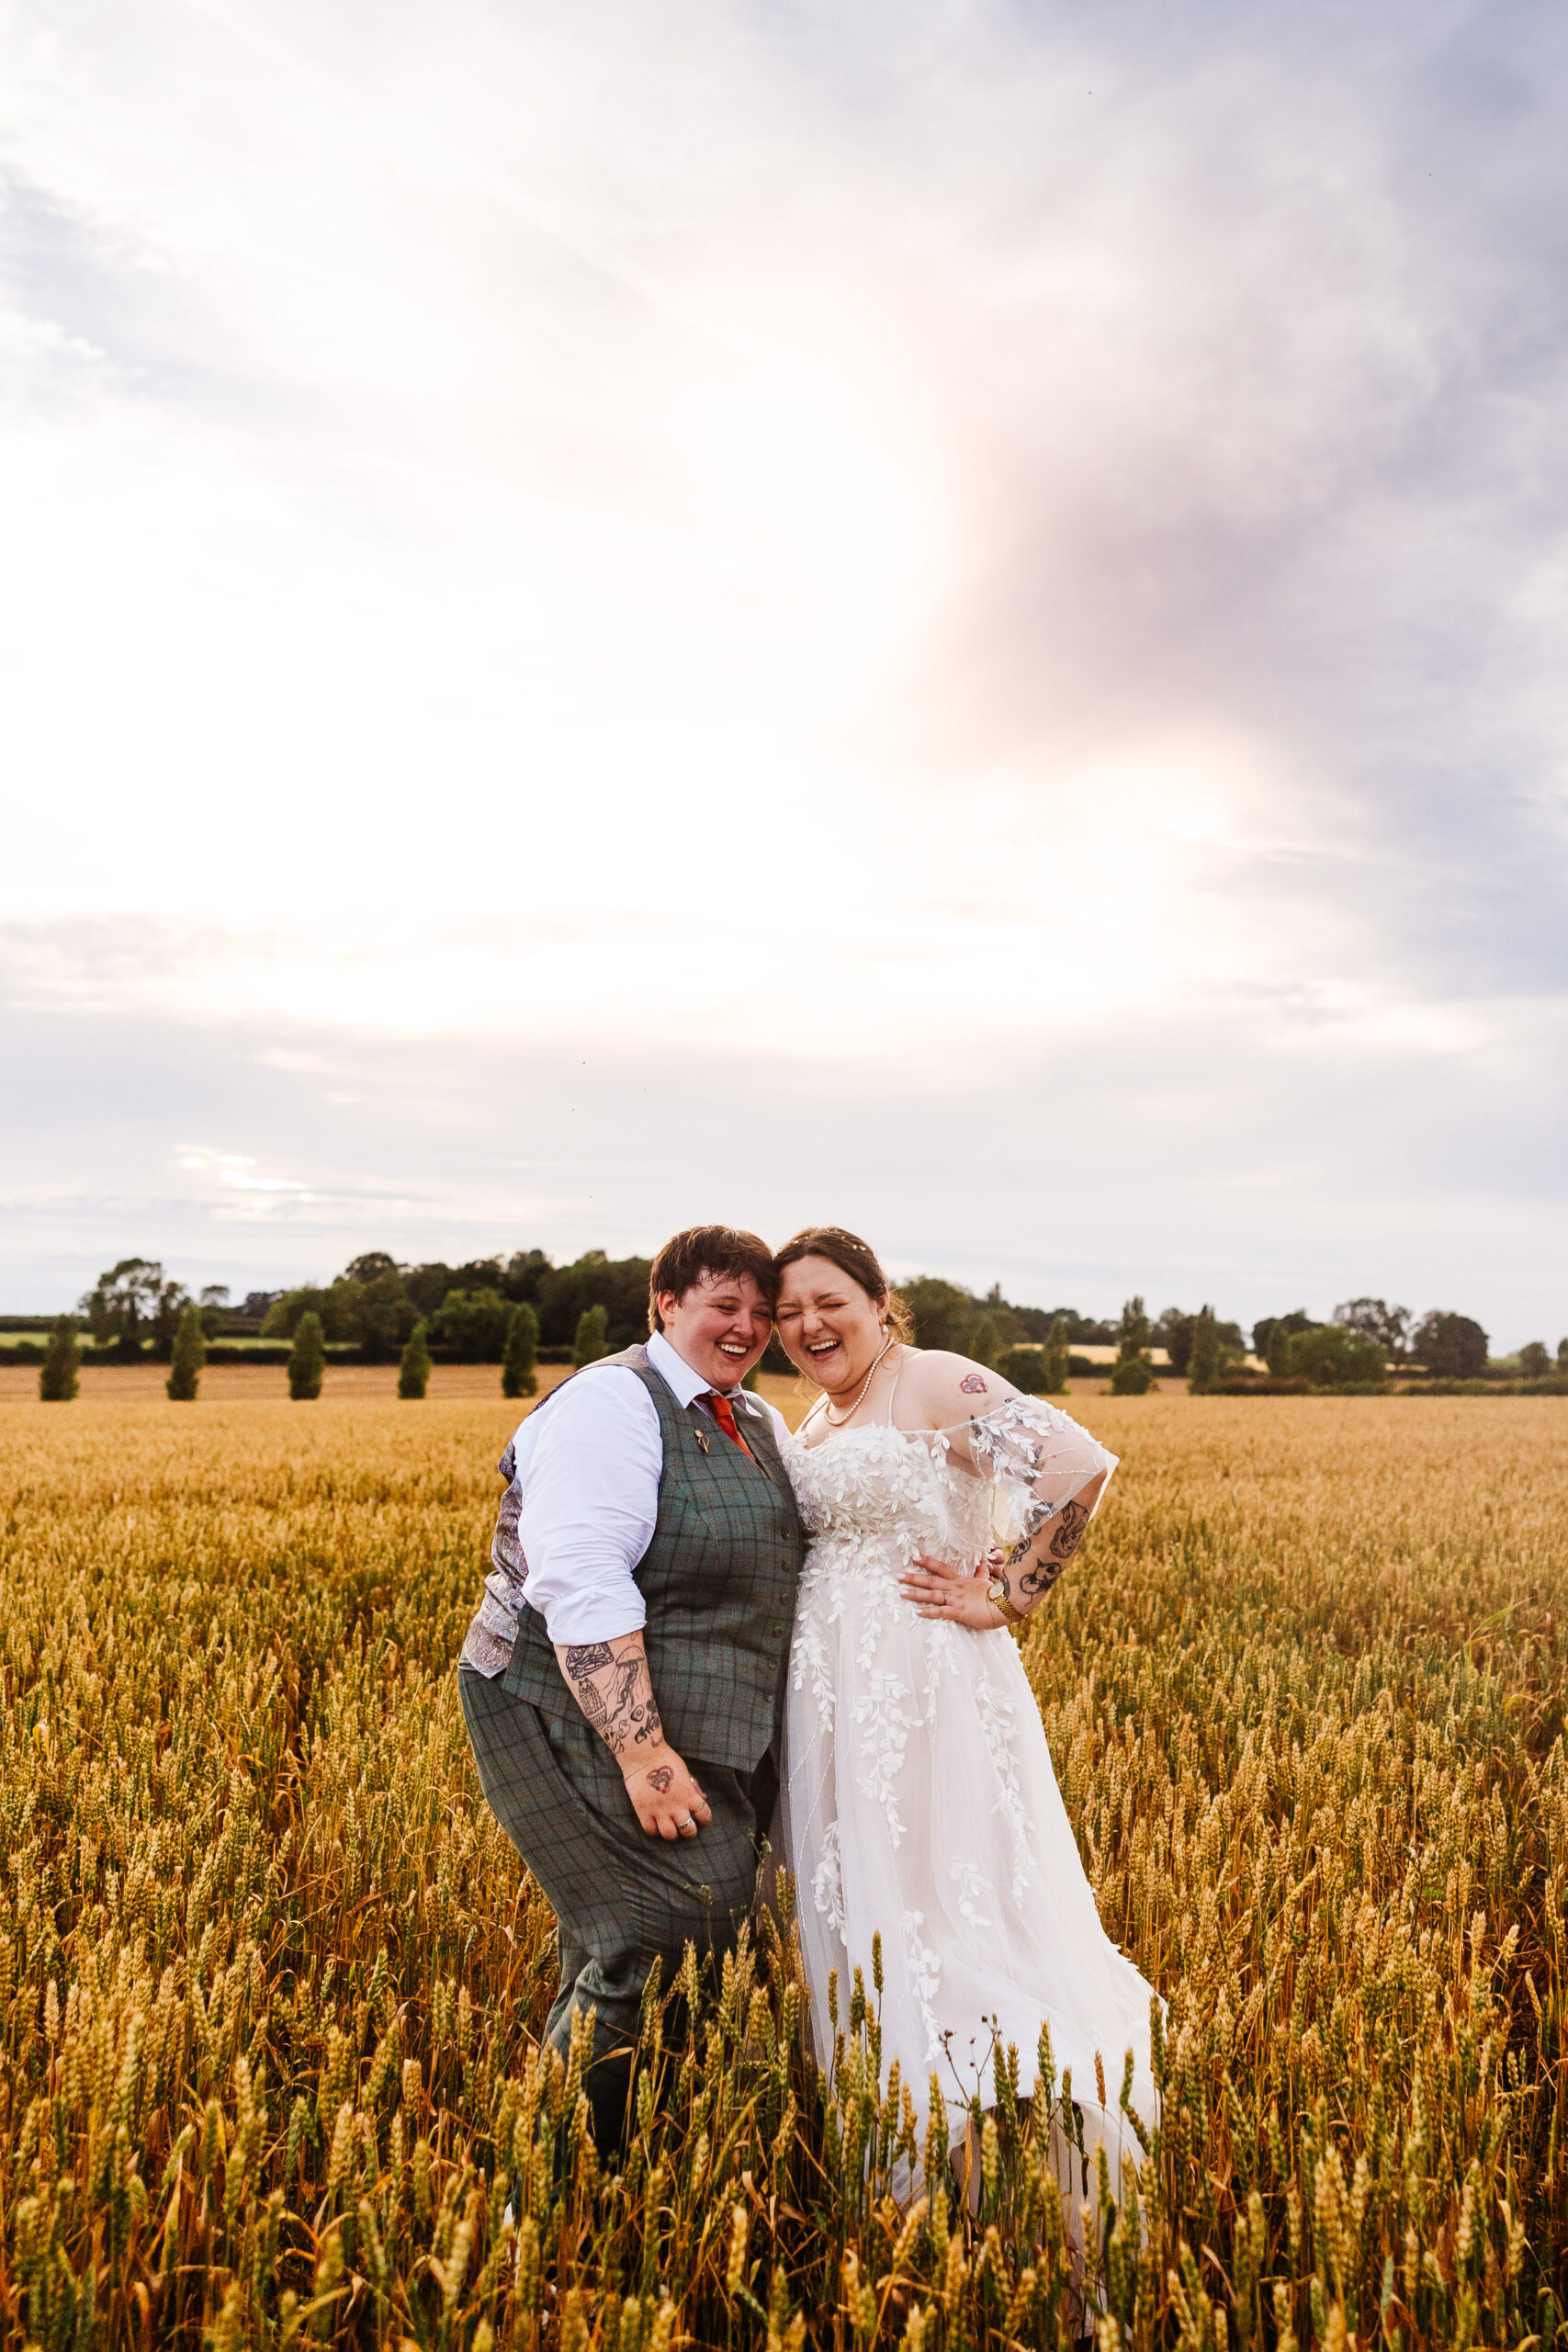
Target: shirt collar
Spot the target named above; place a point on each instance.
(683, 1383)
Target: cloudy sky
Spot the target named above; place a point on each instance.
(944, 616)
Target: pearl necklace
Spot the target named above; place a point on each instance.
(860, 1399)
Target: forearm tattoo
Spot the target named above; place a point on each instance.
(614, 1694)
(1037, 1579)
(1069, 1531)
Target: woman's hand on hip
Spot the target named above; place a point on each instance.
(936, 1589)
(667, 1800)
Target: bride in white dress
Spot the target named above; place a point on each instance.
(919, 1798)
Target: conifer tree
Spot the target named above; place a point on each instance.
(517, 1374)
(60, 1374)
(593, 1338)
(306, 1360)
(1133, 1374)
(1277, 1352)
(1054, 1359)
(1134, 1332)
(1208, 1358)
(414, 1371)
(190, 1355)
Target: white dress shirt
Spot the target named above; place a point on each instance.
(589, 1470)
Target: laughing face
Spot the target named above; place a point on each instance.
(720, 1326)
(829, 1327)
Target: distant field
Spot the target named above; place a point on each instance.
(271, 1981)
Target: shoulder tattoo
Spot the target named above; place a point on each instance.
(972, 1385)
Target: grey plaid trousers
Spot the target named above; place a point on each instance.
(621, 1897)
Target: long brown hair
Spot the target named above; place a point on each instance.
(854, 1258)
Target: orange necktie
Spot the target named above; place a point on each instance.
(724, 1414)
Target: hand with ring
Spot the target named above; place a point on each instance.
(935, 1589)
(666, 1799)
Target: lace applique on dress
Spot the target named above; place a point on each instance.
(996, 1712)
(974, 1887)
(827, 1882)
(925, 1977)
(887, 1725)
(809, 1668)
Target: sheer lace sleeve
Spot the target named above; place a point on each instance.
(1048, 1477)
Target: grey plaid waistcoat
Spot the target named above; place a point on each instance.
(718, 1580)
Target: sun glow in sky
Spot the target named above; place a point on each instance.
(945, 616)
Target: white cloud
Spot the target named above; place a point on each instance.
(232, 1186)
(930, 538)
(1188, 1158)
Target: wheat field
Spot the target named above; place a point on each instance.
(271, 1981)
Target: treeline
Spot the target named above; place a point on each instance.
(948, 1315)
(375, 1305)
(1441, 1343)
(1360, 1343)
(375, 1302)
(1448, 1346)
(1360, 1349)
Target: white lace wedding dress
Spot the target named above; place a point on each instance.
(919, 1796)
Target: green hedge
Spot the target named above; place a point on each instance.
(1554, 1384)
(1267, 1385)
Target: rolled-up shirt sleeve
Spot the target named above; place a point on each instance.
(589, 1501)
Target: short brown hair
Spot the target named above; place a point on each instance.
(708, 1250)
(852, 1257)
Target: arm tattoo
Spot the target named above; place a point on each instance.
(1069, 1531)
(591, 1698)
(1037, 1580)
(614, 1694)
(972, 1385)
(628, 1686)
